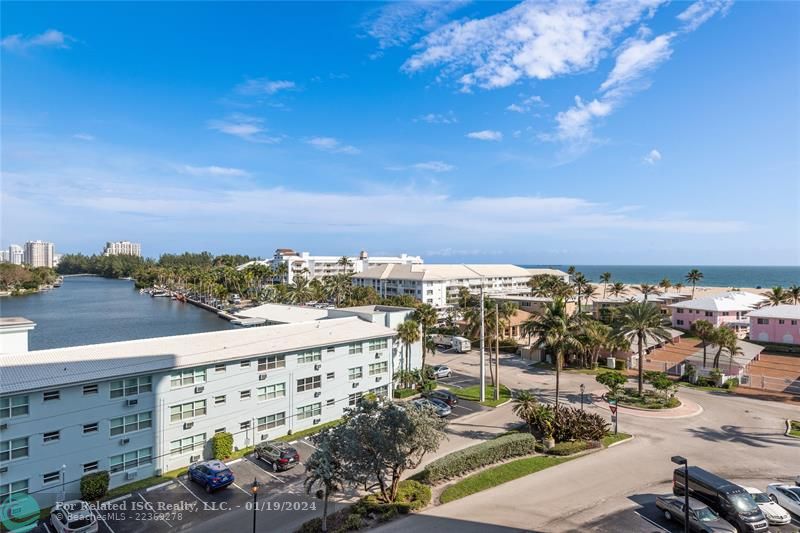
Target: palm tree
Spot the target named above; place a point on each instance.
(345, 263)
(704, 331)
(647, 289)
(579, 281)
(733, 349)
(665, 284)
(525, 407)
(617, 289)
(427, 317)
(594, 337)
(589, 292)
(722, 337)
(300, 291)
(557, 331)
(678, 287)
(605, 279)
(642, 321)
(777, 296)
(794, 294)
(693, 276)
(408, 333)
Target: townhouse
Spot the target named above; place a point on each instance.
(728, 308)
(779, 324)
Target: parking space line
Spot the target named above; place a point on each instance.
(202, 502)
(309, 444)
(654, 523)
(115, 500)
(235, 461)
(159, 486)
(103, 520)
(241, 489)
(153, 509)
(266, 471)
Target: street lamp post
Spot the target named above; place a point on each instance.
(63, 481)
(254, 489)
(678, 460)
(583, 388)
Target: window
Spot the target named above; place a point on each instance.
(244, 395)
(219, 368)
(378, 368)
(709, 313)
(49, 395)
(131, 386)
(680, 310)
(127, 461)
(380, 391)
(763, 321)
(355, 348)
(354, 373)
(219, 400)
(271, 421)
(781, 321)
(187, 444)
(189, 376)
(331, 349)
(13, 449)
(12, 406)
(794, 322)
(90, 389)
(305, 384)
(271, 362)
(377, 344)
(17, 487)
(353, 399)
(278, 390)
(309, 356)
(91, 467)
(131, 423)
(187, 410)
(330, 375)
(51, 477)
(244, 425)
(91, 428)
(244, 364)
(51, 436)
(330, 402)
(309, 411)
(679, 322)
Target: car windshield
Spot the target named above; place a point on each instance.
(760, 497)
(794, 491)
(704, 514)
(743, 502)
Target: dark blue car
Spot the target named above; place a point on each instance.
(212, 475)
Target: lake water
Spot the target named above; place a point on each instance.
(91, 310)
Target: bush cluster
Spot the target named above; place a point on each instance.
(222, 445)
(459, 463)
(94, 486)
(572, 423)
(404, 393)
(569, 448)
(414, 493)
(731, 384)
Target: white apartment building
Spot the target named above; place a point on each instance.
(4, 256)
(39, 254)
(318, 266)
(16, 254)
(123, 248)
(143, 407)
(438, 285)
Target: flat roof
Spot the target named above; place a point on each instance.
(15, 321)
(375, 309)
(98, 362)
(726, 301)
(443, 272)
(285, 314)
(791, 312)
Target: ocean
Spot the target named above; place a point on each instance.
(713, 276)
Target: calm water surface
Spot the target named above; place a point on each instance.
(90, 310)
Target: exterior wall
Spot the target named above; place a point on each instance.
(683, 319)
(15, 254)
(123, 248)
(39, 254)
(14, 339)
(780, 330)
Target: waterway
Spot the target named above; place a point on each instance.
(90, 310)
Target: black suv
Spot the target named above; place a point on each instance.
(279, 454)
(444, 395)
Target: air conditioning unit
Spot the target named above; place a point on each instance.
(3, 427)
(264, 436)
(262, 377)
(130, 475)
(317, 420)
(355, 385)
(123, 442)
(317, 394)
(377, 379)
(188, 425)
(194, 458)
(377, 356)
(132, 402)
(317, 366)
(199, 389)
(3, 469)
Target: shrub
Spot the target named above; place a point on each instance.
(620, 364)
(353, 522)
(222, 445)
(459, 463)
(612, 380)
(689, 373)
(715, 376)
(731, 384)
(94, 486)
(574, 424)
(569, 448)
(414, 493)
(404, 393)
(509, 345)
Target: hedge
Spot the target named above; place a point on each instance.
(222, 445)
(573, 447)
(94, 486)
(487, 453)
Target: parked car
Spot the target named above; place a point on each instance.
(440, 408)
(443, 395)
(278, 454)
(731, 501)
(787, 496)
(212, 475)
(441, 371)
(73, 516)
(701, 517)
(776, 515)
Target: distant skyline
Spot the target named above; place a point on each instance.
(646, 132)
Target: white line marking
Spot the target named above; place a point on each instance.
(309, 444)
(240, 459)
(203, 503)
(151, 508)
(118, 499)
(241, 489)
(273, 475)
(655, 524)
(160, 485)
(294, 442)
(103, 520)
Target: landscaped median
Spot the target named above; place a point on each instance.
(473, 393)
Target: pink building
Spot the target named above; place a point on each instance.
(727, 308)
(780, 323)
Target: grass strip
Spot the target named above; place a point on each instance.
(499, 475)
(608, 440)
(473, 393)
(794, 428)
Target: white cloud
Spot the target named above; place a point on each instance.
(652, 157)
(575, 123)
(213, 171)
(397, 23)
(434, 166)
(50, 38)
(245, 127)
(264, 86)
(636, 57)
(538, 40)
(83, 136)
(330, 144)
(702, 10)
(486, 135)
(515, 108)
(526, 104)
(438, 118)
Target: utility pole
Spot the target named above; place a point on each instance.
(483, 352)
(496, 351)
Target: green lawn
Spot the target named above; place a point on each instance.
(794, 428)
(473, 393)
(702, 387)
(608, 440)
(499, 475)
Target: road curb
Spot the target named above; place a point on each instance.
(118, 499)
(239, 460)
(621, 441)
(159, 486)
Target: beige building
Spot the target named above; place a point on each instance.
(39, 254)
(123, 248)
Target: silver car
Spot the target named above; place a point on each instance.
(701, 517)
(439, 407)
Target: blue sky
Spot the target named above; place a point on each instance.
(620, 132)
